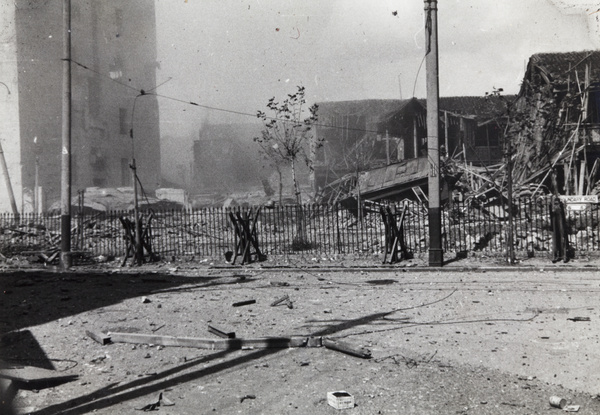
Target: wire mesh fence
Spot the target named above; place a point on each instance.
(309, 229)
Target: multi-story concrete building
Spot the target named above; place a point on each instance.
(113, 52)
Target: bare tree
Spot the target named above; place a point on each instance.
(287, 134)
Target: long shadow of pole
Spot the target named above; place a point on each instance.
(112, 394)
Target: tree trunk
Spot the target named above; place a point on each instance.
(280, 186)
(301, 237)
(296, 186)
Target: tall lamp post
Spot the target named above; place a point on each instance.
(436, 255)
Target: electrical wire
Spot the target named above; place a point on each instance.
(142, 92)
(442, 323)
(105, 76)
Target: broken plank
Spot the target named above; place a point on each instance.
(280, 300)
(347, 348)
(211, 344)
(221, 333)
(101, 338)
(241, 303)
(579, 319)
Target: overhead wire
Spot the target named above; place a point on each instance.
(142, 92)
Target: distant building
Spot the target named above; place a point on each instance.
(113, 59)
(226, 159)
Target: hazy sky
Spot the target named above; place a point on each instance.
(236, 54)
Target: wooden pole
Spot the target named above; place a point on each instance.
(387, 147)
(65, 219)
(36, 186)
(433, 147)
(415, 138)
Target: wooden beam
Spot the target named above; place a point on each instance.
(210, 344)
(101, 338)
(242, 303)
(347, 348)
(280, 300)
(221, 333)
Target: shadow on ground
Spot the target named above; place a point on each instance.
(116, 393)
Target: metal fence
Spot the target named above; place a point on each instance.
(311, 229)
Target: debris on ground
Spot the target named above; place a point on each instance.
(243, 398)
(579, 319)
(101, 338)
(283, 300)
(347, 348)
(340, 400)
(221, 333)
(161, 401)
(243, 303)
(558, 402)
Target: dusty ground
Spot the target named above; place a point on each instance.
(477, 337)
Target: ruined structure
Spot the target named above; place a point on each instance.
(555, 122)
(381, 142)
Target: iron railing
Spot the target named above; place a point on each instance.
(324, 230)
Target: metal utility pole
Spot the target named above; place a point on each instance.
(65, 195)
(436, 255)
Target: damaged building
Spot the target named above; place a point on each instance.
(551, 129)
(382, 144)
(555, 123)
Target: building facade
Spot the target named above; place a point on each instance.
(113, 61)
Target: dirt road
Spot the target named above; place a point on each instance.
(442, 342)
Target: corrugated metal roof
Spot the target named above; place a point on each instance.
(397, 176)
